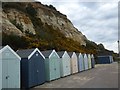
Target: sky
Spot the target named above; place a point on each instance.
(97, 20)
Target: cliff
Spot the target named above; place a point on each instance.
(32, 24)
(17, 20)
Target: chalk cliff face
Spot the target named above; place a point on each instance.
(17, 20)
(61, 23)
(32, 24)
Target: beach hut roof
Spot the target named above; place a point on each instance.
(61, 53)
(77, 54)
(25, 53)
(70, 54)
(8, 47)
(46, 53)
(28, 53)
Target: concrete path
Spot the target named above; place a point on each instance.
(102, 76)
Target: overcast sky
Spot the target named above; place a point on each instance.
(98, 21)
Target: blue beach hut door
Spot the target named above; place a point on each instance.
(37, 70)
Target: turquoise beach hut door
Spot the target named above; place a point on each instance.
(52, 65)
(56, 65)
(52, 68)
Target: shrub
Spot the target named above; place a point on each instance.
(19, 26)
(31, 10)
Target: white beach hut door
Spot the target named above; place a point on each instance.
(0, 74)
(13, 74)
(10, 69)
(4, 73)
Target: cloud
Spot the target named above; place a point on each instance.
(97, 20)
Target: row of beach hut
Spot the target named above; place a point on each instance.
(32, 67)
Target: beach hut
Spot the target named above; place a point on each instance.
(65, 68)
(92, 61)
(10, 68)
(80, 62)
(32, 67)
(105, 59)
(89, 61)
(74, 62)
(52, 64)
(85, 62)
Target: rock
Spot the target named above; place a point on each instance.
(18, 22)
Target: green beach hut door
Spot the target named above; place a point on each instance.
(52, 68)
(57, 66)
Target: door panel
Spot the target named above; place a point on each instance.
(72, 65)
(80, 64)
(10, 74)
(76, 66)
(18, 74)
(41, 73)
(83, 64)
(13, 74)
(61, 67)
(57, 66)
(32, 75)
(52, 69)
(0, 74)
(65, 67)
(67, 62)
(4, 73)
(86, 64)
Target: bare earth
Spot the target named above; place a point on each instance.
(102, 76)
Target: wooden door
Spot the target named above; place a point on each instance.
(80, 64)
(13, 73)
(86, 62)
(67, 66)
(0, 73)
(41, 70)
(4, 73)
(64, 66)
(52, 69)
(57, 67)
